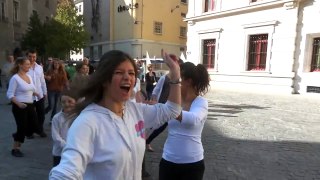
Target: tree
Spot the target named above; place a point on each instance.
(66, 31)
(35, 37)
(58, 36)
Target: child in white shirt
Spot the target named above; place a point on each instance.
(60, 125)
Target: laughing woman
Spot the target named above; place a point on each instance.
(107, 140)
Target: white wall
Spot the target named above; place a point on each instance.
(309, 28)
(231, 31)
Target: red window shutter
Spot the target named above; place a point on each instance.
(258, 45)
(315, 62)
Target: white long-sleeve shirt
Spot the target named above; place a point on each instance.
(37, 76)
(135, 90)
(59, 130)
(103, 146)
(183, 144)
(20, 89)
(158, 89)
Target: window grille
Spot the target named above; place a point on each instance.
(3, 11)
(16, 9)
(209, 5)
(157, 29)
(209, 47)
(183, 31)
(315, 62)
(47, 4)
(258, 46)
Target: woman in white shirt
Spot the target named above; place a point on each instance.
(20, 93)
(182, 156)
(107, 140)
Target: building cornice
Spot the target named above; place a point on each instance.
(134, 41)
(287, 4)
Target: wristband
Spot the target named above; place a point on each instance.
(178, 81)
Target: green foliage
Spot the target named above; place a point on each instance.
(58, 36)
(72, 35)
(35, 36)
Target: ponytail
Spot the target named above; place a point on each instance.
(199, 76)
(203, 80)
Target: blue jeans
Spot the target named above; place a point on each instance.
(53, 99)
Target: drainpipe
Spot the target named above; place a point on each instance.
(296, 80)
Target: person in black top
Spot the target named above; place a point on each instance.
(151, 81)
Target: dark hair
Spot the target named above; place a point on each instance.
(17, 53)
(31, 51)
(19, 61)
(80, 65)
(93, 91)
(199, 76)
(70, 93)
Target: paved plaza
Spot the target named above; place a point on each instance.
(247, 136)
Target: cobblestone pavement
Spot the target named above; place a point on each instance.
(247, 136)
(258, 137)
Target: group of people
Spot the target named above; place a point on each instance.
(27, 91)
(100, 133)
(28, 88)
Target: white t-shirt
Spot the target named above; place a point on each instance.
(183, 144)
(37, 76)
(59, 130)
(20, 89)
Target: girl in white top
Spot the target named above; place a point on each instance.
(182, 156)
(136, 95)
(20, 92)
(60, 125)
(107, 140)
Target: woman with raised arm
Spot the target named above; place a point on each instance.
(182, 156)
(107, 140)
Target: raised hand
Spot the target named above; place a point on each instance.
(172, 61)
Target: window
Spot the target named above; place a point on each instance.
(183, 15)
(157, 27)
(3, 10)
(91, 52)
(79, 8)
(256, 0)
(183, 31)
(258, 47)
(209, 48)
(209, 5)
(47, 4)
(315, 62)
(184, 1)
(99, 51)
(16, 10)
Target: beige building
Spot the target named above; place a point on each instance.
(14, 17)
(135, 26)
